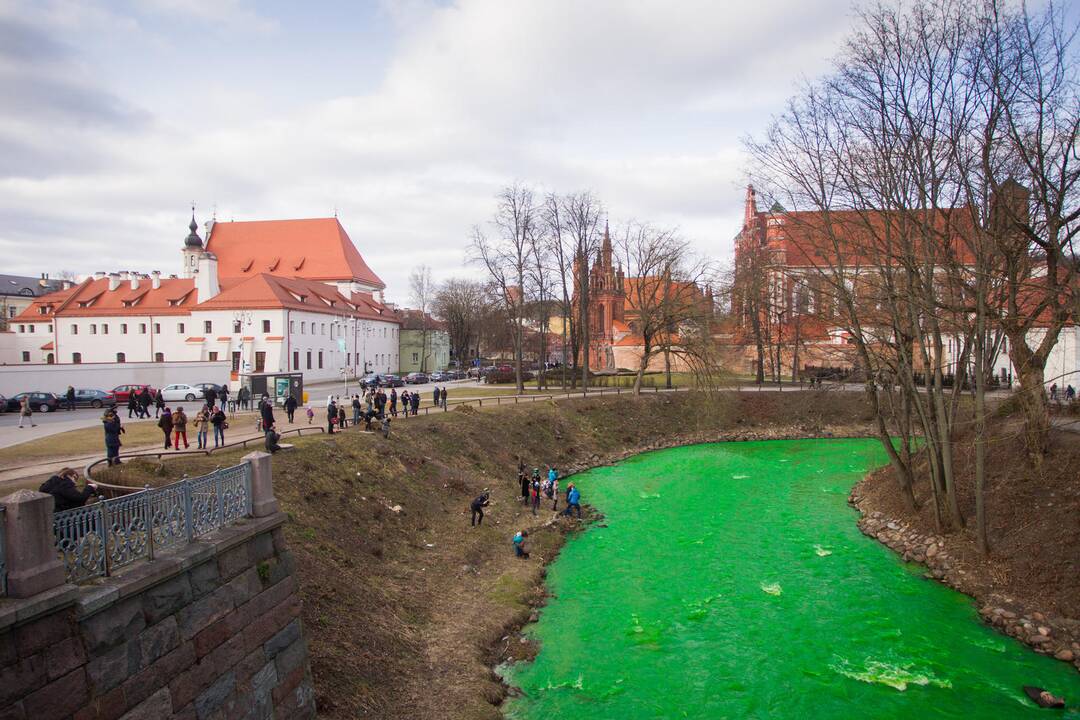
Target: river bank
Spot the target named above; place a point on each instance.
(406, 606)
(1029, 586)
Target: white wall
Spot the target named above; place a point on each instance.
(105, 376)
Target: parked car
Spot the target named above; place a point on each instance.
(91, 398)
(456, 374)
(206, 386)
(370, 381)
(440, 376)
(387, 381)
(416, 378)
(181, 391)
(3, 404)
(123, 392)
(39, 401)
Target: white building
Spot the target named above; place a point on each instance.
(267, 296)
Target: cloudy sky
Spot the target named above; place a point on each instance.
(406, 117)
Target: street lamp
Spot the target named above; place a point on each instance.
(242, 319)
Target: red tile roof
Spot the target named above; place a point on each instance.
(316, 249)
(272, 291)
(92, 298)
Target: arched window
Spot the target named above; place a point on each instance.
(76, 358)
(600, 313)
(159, 357)
(120, 357)
(50, 359)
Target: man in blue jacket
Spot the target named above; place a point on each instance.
(573, 500)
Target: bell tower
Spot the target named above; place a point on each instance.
(193, 249)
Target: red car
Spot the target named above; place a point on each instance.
(123, 392)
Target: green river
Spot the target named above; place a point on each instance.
(730, 581)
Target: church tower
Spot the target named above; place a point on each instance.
(193, 249)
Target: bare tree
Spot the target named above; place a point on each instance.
(562, 253)
(507, 260)
(422, 293)
(580, 218)
(461, 305)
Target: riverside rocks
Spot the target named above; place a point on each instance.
(1058, 637)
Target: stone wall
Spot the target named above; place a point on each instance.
(212, 631)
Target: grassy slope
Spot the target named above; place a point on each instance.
(403, 609)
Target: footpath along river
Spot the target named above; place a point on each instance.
(730, 581)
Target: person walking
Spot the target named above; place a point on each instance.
(145, 399)
(405, 400)
(70, 397)
(1070, 393)
(443, 397)
(133, 405)
(179, 422)
(290, 408)
(573, 500)
(523, 479)
(159, 405)
(341, 417)
(211, 395)
(26, 413)
(393, 402)
(224, 397)
(111, 423)
(220, 424)
(165, 423)
(477, 507)
(310, 414)
(356, 410)
(266, 414)
(241, 397)
(331, 416)
(436, 395)
(415, 403)
(1053, 391)
(201, 421)
(555, 494)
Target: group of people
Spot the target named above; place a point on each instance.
(533, 489)
(174, 423)
(139, 403)
(1070, 393)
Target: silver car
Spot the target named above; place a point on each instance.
(181, 391)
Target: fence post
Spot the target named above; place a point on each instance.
(33, 565)
(263, 502)
(105, 533)
(220, 520)
(189, 520)
(149, 523)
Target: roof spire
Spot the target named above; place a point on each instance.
(193, 240)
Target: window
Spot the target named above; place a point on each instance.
(348, 359)
(303, 327)
(159, 357)
(12, 311)
(93, 328)
(104, 329)
(22, 328)
(74, 329)
(212, 357)
(292, 327)
(260, 361)
(208, 326)
(236, 362)
(320, 359)
(76, 358)
(50, 359)
(308, 359)
(121, 357)
(142, 328)
(266, 326)
(31, 328)
(296, 360)
(323, 331)
(180, 328)
(416, 357)
(123, 328)
(48, 328)
(26, 356)
(236, 326)
(157, 328)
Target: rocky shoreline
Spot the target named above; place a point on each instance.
(1058, 637)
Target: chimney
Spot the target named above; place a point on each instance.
(99, 275)
(114, 281)
(206, 278)
(134, 281)
(155, 279)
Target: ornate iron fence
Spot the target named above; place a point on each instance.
(95, 540)
(3, 555)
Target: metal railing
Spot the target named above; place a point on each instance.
(95, 540)
(3, 554)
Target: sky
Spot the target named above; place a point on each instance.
(405, 118)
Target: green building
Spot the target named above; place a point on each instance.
(424, 344)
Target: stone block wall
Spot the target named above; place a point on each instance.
(210, 633)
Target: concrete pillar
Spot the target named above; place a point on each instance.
(263, 502)
(32, 562)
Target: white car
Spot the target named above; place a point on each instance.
(174, 393)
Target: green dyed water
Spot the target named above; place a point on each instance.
(731, 582)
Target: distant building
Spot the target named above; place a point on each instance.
(425, 343)
(18, 291)
(268, 296)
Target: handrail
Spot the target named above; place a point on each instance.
(3, 553)
(206, 451)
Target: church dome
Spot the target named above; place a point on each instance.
(193, 240)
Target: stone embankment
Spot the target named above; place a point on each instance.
(1055, 636)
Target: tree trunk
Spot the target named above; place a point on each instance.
(980, 424)
(643, 363)
(1031, 394)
